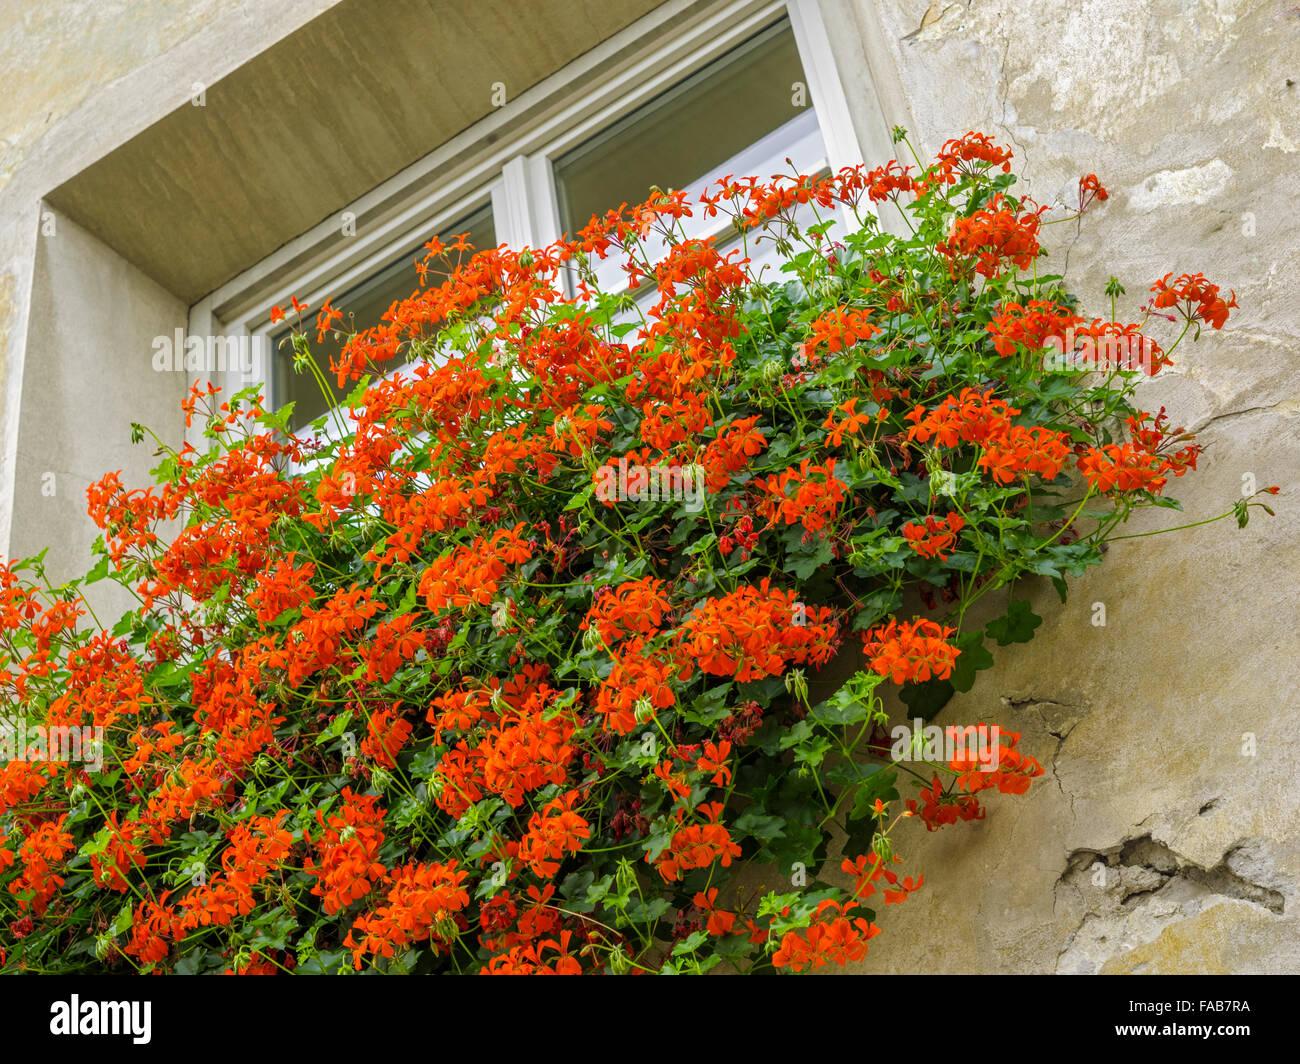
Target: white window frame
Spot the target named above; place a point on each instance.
(506, 160)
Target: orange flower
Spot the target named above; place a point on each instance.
(833, 937)
(697, 846)
(714, 760)
(633, 608)
(325, 318)
(348, 849)
(814, 502)
(992, 238)
(935, 538)
(1029, 326)
(386, 735)
(720, 922)
(421, 903)
(1194, 298)
(851, 423)
(840, 328)
(552, 833)
(756, 632)
(1090, 189)
(638, 675)
(910, 651)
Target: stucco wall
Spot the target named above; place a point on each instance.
(1188, 113)
(77, 79)
(94, 319)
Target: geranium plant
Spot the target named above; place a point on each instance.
(504, 664)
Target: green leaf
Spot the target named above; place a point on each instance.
(122, 921)
(760, 825)
(849, 773)
(882, 785)
(645, 912)
(927, 698)
(803, 565)
(974, 657)
(843, 707)
(1017, 626)
(580, 500)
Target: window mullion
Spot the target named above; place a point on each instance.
(824, 85)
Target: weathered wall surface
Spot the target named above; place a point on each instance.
(93, 322)
(1155, 842)
(78, 78)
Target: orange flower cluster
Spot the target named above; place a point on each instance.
(386, 734)
(697, 846)
(532, 959)
(1111, 345)
(910, 651)
(840, 328)
(886, 182)
(1029, 325)
(1013, 775)
(1020, 452)
(971, 417)
(809, 495)
(525, 752)
(935, 538)
(154, 927)
(553, 832)
(969, 156)
(754, 632)
(257, 848)
(991, 239)
(731, 452)
(1144, 463)
(868, 869)
(46, 846)
(422, 899)
(635, 608)
(937, 808)
(471, 575)
(348, 848)
(1010, 451)
(1194, 297)
(638, 675)
(832, 937)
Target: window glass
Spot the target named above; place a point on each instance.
(688, 132)
(362, 306)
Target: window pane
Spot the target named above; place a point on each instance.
(688, 132)
(362, 306)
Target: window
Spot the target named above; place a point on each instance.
(745, 113)
(362, 306)
(687, 133)
(673, 101)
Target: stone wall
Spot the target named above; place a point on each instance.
(1153, 843)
